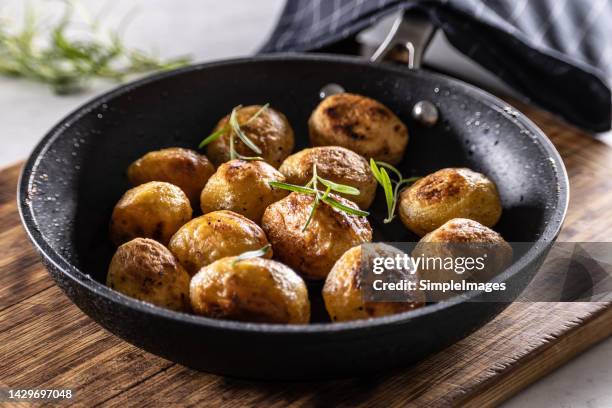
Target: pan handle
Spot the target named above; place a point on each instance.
(410, 34)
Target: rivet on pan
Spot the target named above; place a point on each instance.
(330, 89)
(426, 113)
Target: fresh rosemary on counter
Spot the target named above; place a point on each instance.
(390, 187)
(51, 56)
(312, 188)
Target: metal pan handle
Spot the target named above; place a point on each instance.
(412, 32)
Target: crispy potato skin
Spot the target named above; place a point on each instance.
(251, 290)
(447, 194)
(461, 237)
(342, 291)
(270, 131)
(313, 252)
(360, 124)
(184, 168)
(146, 270)
(213, 236)
(152, 210)
(336, 164)
(242, 186)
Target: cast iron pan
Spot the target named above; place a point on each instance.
(76, 174)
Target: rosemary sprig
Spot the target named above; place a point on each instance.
(390, 187)
(252, 254)
(312, 188)
(233, 125)
(51, 57)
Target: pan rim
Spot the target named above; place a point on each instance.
(28, 219)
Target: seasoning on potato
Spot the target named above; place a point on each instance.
(146, 270)
(343, 291)
(213, 236)
(253, 290)
(152, 210)
(184, 168)
(467, 239)
(446, 194)
(243, 187)
(336, 164)
(360, 124)
(269, 130)
(312, 251)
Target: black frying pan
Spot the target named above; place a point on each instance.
(76, 174)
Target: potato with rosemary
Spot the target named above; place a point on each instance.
(360, 124)
(344, 289)
(262, 126)
(146, 270)
(242, 186)
(213, 236)
(152, 210)
(184, 168)
(251, 290)
(336, 164)
(446, 194)
(312, 241)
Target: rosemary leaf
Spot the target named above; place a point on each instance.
(233, 121)
(375, 170)
(390, 167)
(388, 189)
(315, 204)
(252, 254)
(339, 188)
(213, 136)
(338, 205)
(259, 112)
(292, 187)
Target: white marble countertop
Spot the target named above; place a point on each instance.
(209, 30)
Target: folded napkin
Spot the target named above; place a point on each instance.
(558, 53)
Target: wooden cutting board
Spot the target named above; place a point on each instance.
(46, 342)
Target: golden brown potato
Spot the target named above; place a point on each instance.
(447, 194)
(242, 186)
(344, 287)
(152, 210)
(251, 290)
(361, 124)
(213, 236)
(270, 131)
(336, 164)
(312, 252)
(182, 167)
(466, 239)
(145, 270)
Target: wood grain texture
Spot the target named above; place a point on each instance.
(45, 341)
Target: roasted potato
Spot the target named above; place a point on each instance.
(252, 290)
(447, 194)
(463, 239)
(360, 124)
(270, 131)
(213, 236)
(242, 186)
(152, 210)
(344, 290)
(312, 252)
(146, 270)
(182, 167)
(336, 164)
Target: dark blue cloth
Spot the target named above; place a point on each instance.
(556, 52)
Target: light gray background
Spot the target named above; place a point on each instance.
(212, 29)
